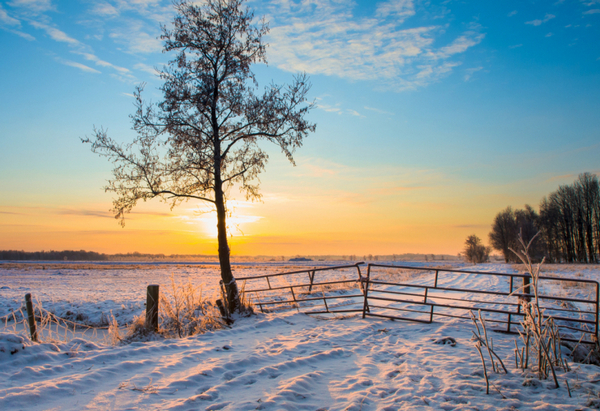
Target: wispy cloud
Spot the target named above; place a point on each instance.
(80, 66)
(85, 213)
(22, 34)
(398, 9)
(337, 109)
(512, 13)
(377, 110)
(328, 108)
(156, 10)
(145, 67)
(12, 25)
(104, 214)
(134, 23)
(592, 11)
(515, 46)
(460, 45)
(33, 7)
(539, 22)
(81, 49)
(325, 37)
(5, 19)
(102, 63)
(354, 113)
(55, 34)
(105, 10)
(471, 71)
(135, 37)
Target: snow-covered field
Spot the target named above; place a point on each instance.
(277, 361)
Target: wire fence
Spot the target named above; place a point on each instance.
(51, 327)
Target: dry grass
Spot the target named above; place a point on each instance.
(184, 312)
(540, 336)
(114, 335)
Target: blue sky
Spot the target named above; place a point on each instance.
(431, 117)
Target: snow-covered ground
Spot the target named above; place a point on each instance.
(277, 361)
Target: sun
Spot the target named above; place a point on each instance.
(235, 224)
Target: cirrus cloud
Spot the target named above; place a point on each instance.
(539, 22)
(324, 37)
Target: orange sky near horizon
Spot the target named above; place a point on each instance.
(350, 211)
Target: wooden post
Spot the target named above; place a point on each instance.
(526, 286)
(152, 297)
(31, 318)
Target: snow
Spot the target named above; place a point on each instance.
(274, 361)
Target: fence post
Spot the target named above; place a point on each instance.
(366, 291)
(312, 278)
(152, 298)
(31, 318)
(597, 302)
(526, 286)
(360, 278)
(509, 314)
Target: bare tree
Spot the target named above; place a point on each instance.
(475, 251)
(202, 138)
(550, 227)
(504, 232)
(589, 193)
(527, 229)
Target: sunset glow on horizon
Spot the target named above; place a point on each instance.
(431, 118)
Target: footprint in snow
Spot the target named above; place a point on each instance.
(445, 341)
(392, 374)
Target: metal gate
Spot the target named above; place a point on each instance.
(424, 293)
(429, 292)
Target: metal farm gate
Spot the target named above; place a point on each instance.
(423, 293)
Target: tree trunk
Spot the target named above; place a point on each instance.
(233, 299)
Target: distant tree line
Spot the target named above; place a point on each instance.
(80, 255)
(568, 223)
